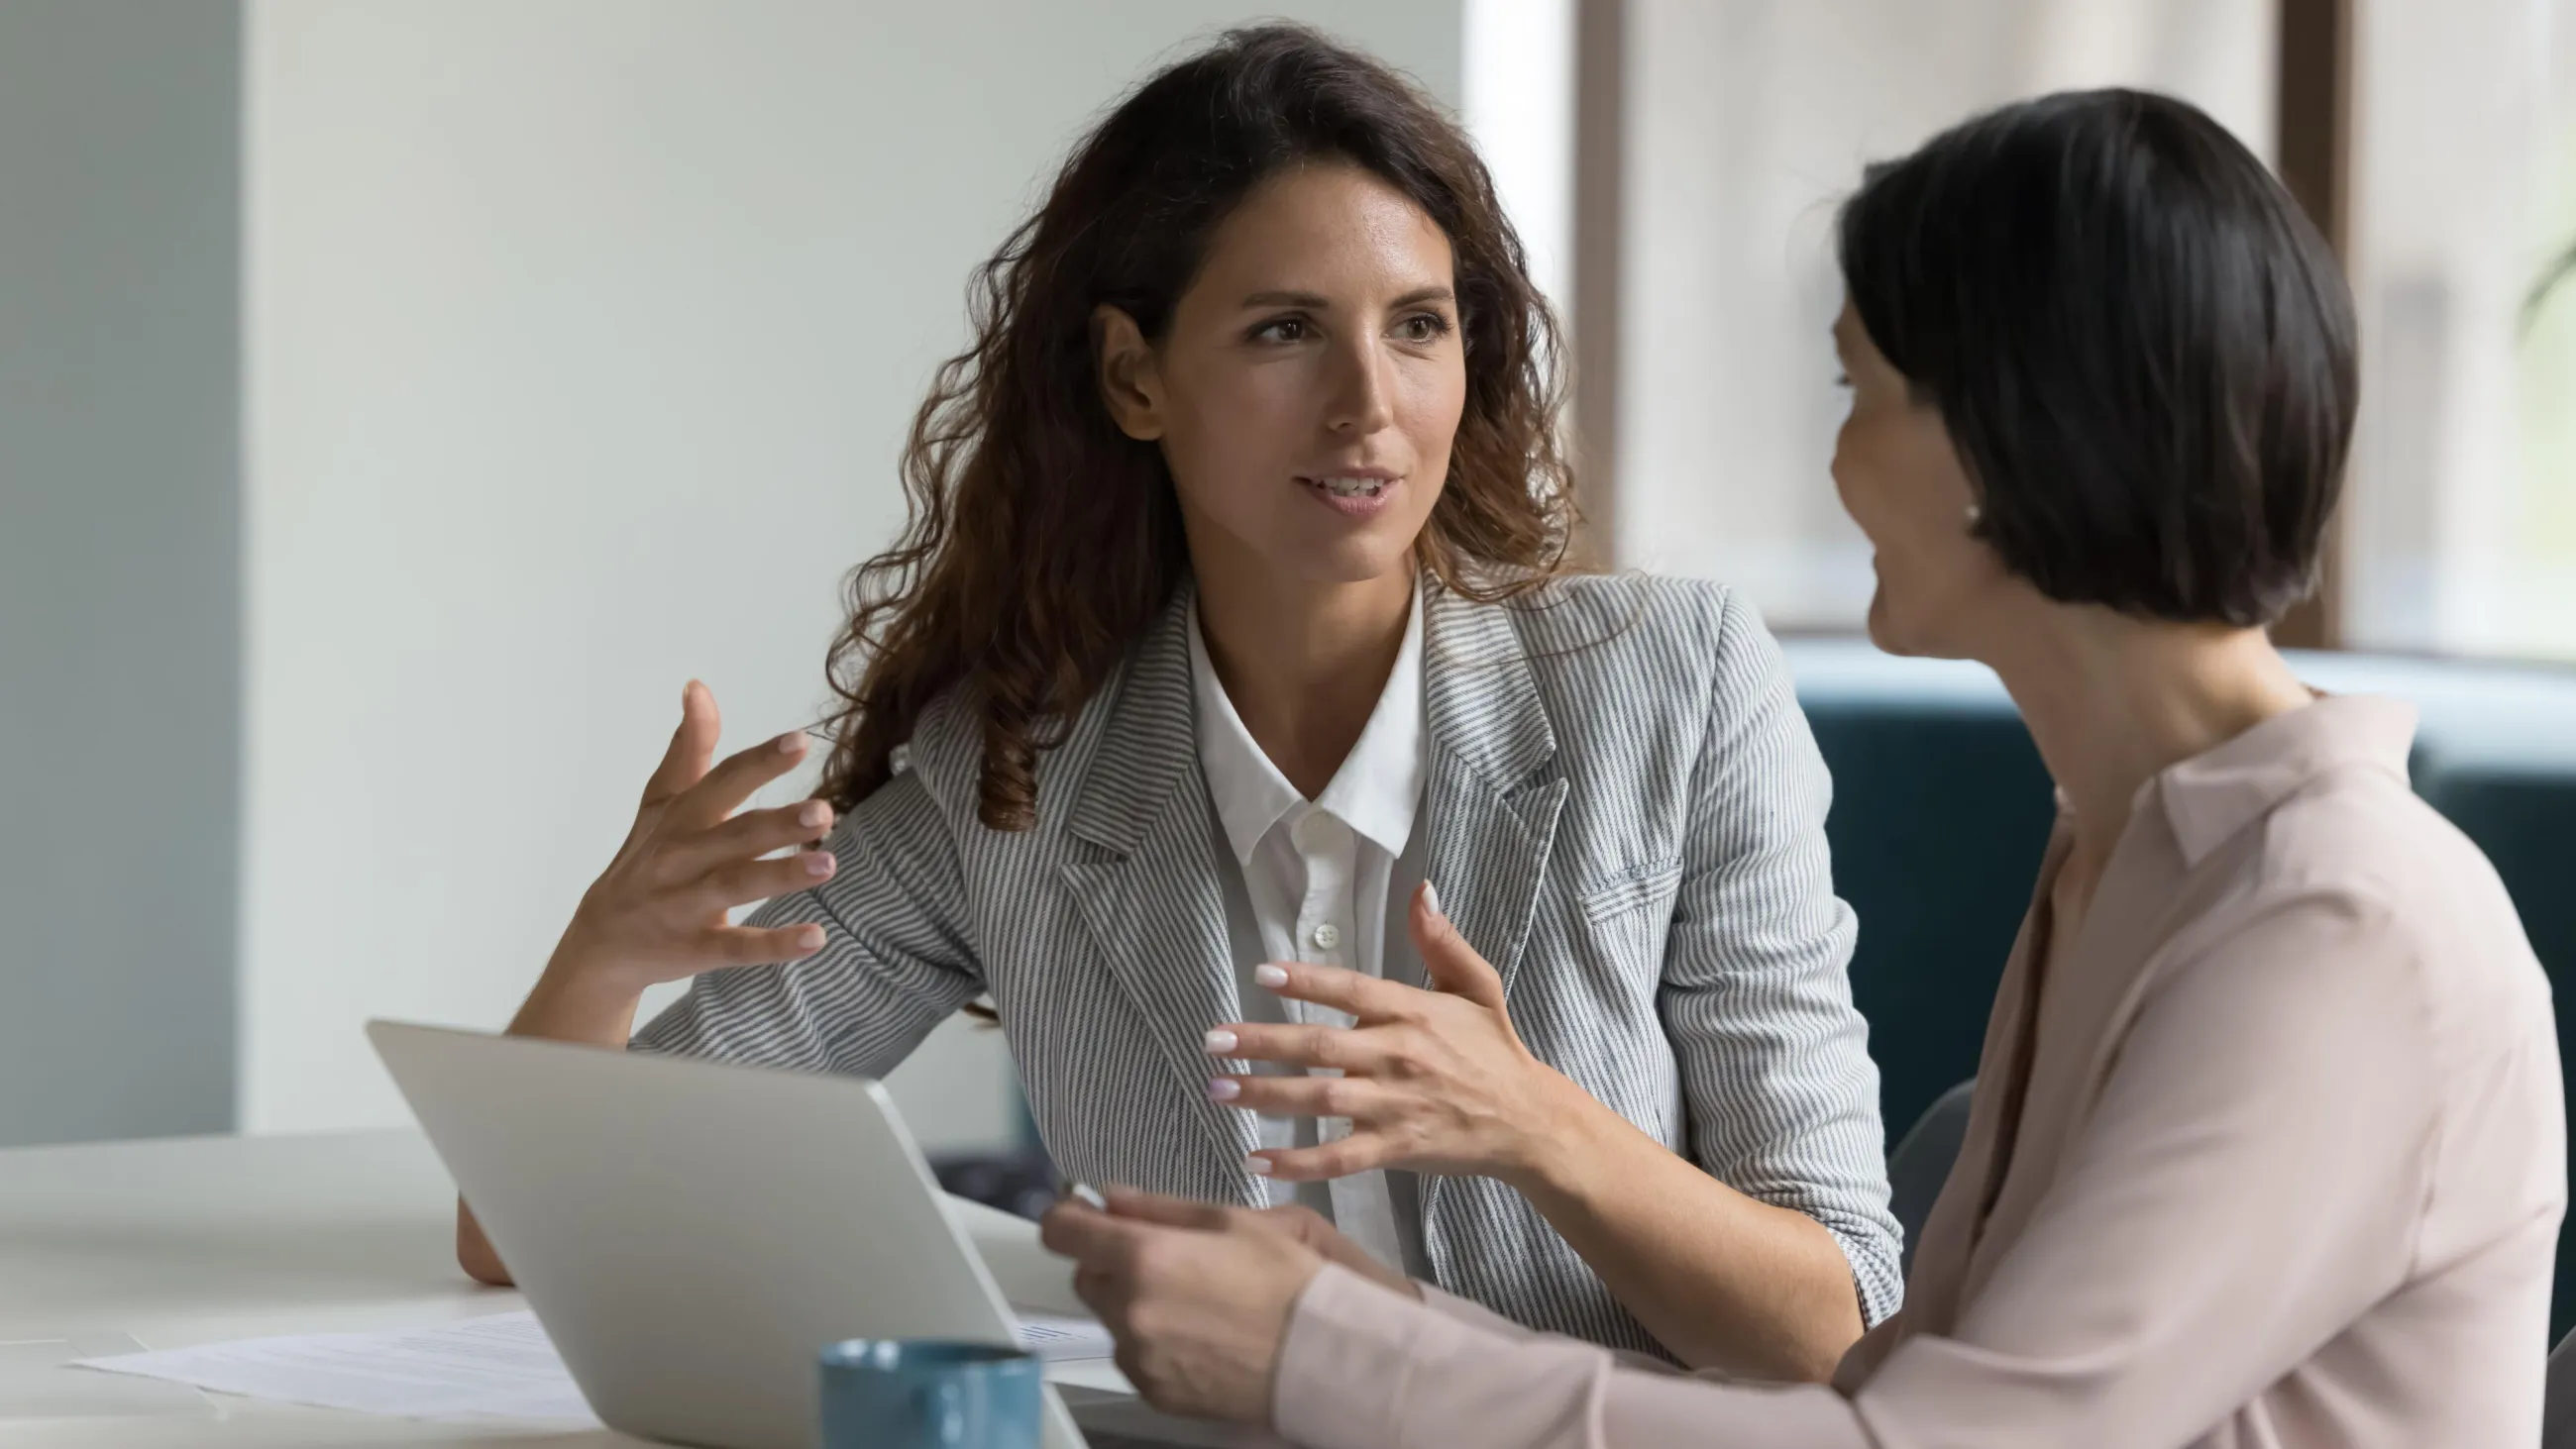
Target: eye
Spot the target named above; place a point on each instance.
(1283, 329)
(1423, 327)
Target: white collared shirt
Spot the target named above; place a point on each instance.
(1324, 881)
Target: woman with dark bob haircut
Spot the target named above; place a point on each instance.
(2266, 1145)
(1230, 710)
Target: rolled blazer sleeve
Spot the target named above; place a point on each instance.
(895, 962)
(1756, 996)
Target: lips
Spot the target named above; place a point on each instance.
(1358, 495)
(1351, 485)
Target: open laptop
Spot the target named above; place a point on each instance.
(691, 1234)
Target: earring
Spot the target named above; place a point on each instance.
(1976, 515)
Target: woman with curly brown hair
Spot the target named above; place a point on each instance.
(1234, 616)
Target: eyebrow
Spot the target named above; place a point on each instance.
(1317, 302)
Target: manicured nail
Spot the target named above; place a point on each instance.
(820, 863)
(1257, 1166)
(814, 813)
(792, 743)
(1224, 1089)
(1273, 977)
(809, 938)
(1088, 1196)
(1431, 897)
(1220, 1042)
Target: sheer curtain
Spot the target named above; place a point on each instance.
(2461, 520)
(1748, 122)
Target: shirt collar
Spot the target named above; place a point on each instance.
(1375, 792)
(2213, 795)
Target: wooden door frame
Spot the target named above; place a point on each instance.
(2313, 111)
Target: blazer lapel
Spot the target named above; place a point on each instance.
(1490, 812)
(1490, 809)
(1155, 907)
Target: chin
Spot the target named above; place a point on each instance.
(1883, 631)
(1359, 566)
(1351, 559)
(1896, 631)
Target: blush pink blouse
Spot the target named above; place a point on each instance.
(2275, 1158)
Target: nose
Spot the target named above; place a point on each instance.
(1360, 403)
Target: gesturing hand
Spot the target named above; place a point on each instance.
(658, 912)
(1432, 1080)
(1198, 1297)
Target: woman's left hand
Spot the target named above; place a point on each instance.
(1198, 1296)
(1437, 1080)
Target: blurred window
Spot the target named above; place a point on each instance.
(1746, 121)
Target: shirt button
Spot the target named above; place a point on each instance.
(1326, 936)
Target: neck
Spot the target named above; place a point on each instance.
(1303, 663)
(2112, 702)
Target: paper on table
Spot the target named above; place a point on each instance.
(1055, 1338)
(501, 1367)
(496, 1367)
(1029, 1276)
(504, 1366)
(33, 1385)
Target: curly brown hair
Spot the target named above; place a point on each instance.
(1041, 538)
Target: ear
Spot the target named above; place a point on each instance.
(1131, 380)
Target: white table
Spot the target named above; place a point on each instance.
(197, 1240)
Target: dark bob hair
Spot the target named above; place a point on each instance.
(2141, 348)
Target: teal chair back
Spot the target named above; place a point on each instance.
(1939, 820)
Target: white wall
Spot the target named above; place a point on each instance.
(582, 336)
(1518, 76)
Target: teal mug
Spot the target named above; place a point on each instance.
(928, 1393)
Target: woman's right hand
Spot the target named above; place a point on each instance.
(659, 912)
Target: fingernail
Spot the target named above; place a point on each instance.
(1431, 897)
(1088, 1195)
(792, 743)
(1273, 977)
(819, 863)
(1220, 1042)
(814, 813)
(1257, 1166)
(810, 937)
(1224, 1089)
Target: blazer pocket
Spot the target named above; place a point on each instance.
(1632, 889)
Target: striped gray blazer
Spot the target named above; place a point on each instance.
(1626, 816)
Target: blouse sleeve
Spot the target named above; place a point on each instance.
(2250, 1181)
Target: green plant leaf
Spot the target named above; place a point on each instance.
(2550, 276)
